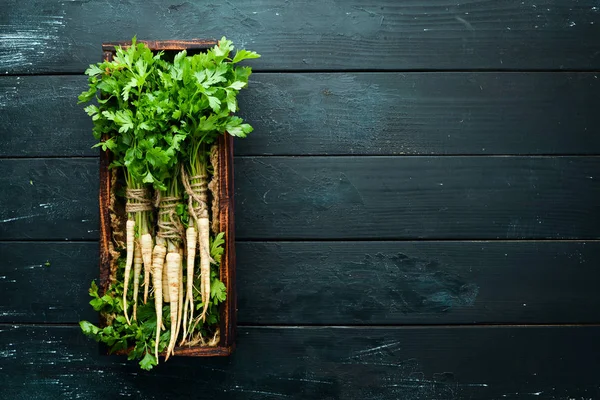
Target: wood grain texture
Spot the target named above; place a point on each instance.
(227, 269)
(165, 45)
(421, 113)
(39, 116)
(106, 209)
(33, 291)
(49, 199)
(341, 198)
(318, 363)
(320, 95)
(417, 197)
(340, 283)
(64, 36)
(390, 283)
(364, 113)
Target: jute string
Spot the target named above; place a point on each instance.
(169, 224)
(138, 200)
(196, 193)
(213, 186)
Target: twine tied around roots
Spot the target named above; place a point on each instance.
(169, 227)
(195, 193)
(138, 200)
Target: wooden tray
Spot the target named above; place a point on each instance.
(226, 207)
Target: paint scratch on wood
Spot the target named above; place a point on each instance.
(306, 380)
(240, 389)
(465, 23)
(376, 349)
(22, 44)
(8, 94)
(19, 218)
(11, 314)
(8, 353)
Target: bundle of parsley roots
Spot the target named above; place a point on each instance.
(160, 117)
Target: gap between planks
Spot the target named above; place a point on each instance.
(345, 326)
(364, 70)
(332, 240)
(337, 155)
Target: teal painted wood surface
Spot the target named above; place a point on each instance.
(64, 36)
(417, 208)
(348, 114)
(333, 198)
(399, 282)
(444, 363)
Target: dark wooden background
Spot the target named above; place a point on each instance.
(417, 209)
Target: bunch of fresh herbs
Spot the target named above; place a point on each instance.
(158, 117)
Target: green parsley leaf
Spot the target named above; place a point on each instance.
(231, 101)
(148, 178)
(148, 362)
(93, 289)
(214, 103)
(237, 85)
(88, 328)
(218, 291)
(97, 304)
(242, 55)
(93, 70)
(216, 247)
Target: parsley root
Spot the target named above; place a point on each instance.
(166, 295)
(180, 294)
(191, 237)
(173, 267)
(204, 228)
(197, 186)
(137, 269)
(146, 247)
(158, 259)
(129, 234)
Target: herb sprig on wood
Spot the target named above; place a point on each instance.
(160, 119)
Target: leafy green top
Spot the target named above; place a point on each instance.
(152, 111)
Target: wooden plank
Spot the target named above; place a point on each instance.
(39, 116)
(349, 283)
(34, 291)
(421, 113)
(227, 268)
(49, 199)
(400, 282)
(417, 197)
(64, 36)
(318, 363)
(364, 113)
(341, 198)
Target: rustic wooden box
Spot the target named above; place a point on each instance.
(226, 207)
